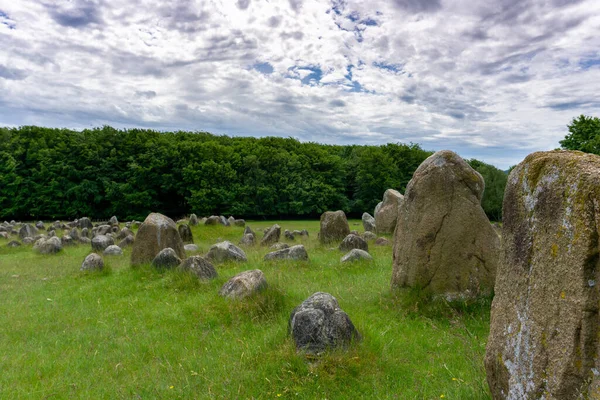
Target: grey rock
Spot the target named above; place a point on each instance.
(226, 251)
(213, 220)
(74, 233)
(353, 241)
(123, 233)
(103, 229)
(249, 239)
(93, 262)
(40, 226)
(369, 236)
(113, 250)
(368, 222)
(334, 226)
(166, 259)
(224, 221)
(155, 234)
(279, 246)
(27, 230)
(244, 284)
(198, 266)
(193, 220)
(85, 240)
(319, 324)
(191, 248)
(297, 253)
(101, 242)
(271, 236)
(126, 242)
(113, 221)
(248, 230)
(231, 220)
(13, 243)
(239, 222)
(186, 233)
(288, 235)
(4, 235)
(85, 222)
(48, 246)
(67, 240)
(356, 255)
(382, 242)
(28, 240)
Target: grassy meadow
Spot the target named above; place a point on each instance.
(138, 333)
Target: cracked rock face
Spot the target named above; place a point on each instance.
(545, 321)
(444, 242)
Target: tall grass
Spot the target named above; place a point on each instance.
(140, 333)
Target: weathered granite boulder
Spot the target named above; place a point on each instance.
(127, 241)
(93, 262)
(198, 266)
(85, 233)
(279, 246)
(249, 239)
(319, 324)
(5, 235)
(101, 242)
(239, 222)
(297, 253)
(300, 233)
(244, 284)
(13, 244)
(545, 325)
(387, 214)
(193, 220)
(231, 220)
(113, 250)
(213, 220)
(156, 233)
(271, 236)
(334, 226)
(123, 233)
(192, 248)
(368, 222)
(224, 221)
(225, 251)
(356, 255)
(166, 258)
(27, 230)
(85, 222)
(85, 240)
(113, 221)
(74, 233)
(369, 236)
(103, 229)
(67, 240)
(40, 226)
(288, 235)
(444, 242)
(186, 233)
(382, 242)
(48, 245)
(248, 230)
(353, 241)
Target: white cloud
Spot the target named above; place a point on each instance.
(493, 80)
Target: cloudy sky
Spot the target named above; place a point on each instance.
(494, 80)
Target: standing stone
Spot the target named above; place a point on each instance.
(156, 233)
(85, 233)
(27, 230)
(319, 324)
(103, 229)
(93, 262)
(545, 324)
(297, 253)
(224, 221)
(225, 251)
(248, 230)
(334, 226)
(85, 223)
(249, 239)
(123, 233)
(368, 222)
(288, 235)
(444, 242)
(126, 242)
(353, 241)
(356, 255)
(244, 284)
(67, 240)
(74, 233)
(186, 233)
(387, 214)
(193, 220)
(166, 259)
(48, 246)
(212, 220)
(239, 222)
(198, 266)
(101, 242)
(113, 221)
(40, 226)
(231, 220)
(271, 236)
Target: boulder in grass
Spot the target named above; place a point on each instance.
(85, 233)
(382, 242)
(356, 255)
(213, 220)
(40, 226)
(13, 243)
(271, 236)
(387, 213)
(101, 242)
(224, 221)
(74, 233)
(126, 242)
(198, 266)
(93, 262)
(123, 233)
(192, 248)
(288, 235)
(239, 222)
(186, 233)
(113, 250)
(353, 241)
(103, 229)
(193, 220)
(113, 221)
(85, 222)
(297, 253)
(85, 240)
(27, 230)
(319, 324)
(279, 246)
(247, 230)
(166, 259)
(369, 236)
(5, 235)
(48, 246)
(67, 240)
(333, 227)
(155, 234)
(368, 222)
(244, 284)
(231, 220)
(226, 251)
(249, 239)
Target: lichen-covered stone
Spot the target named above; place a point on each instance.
(85, 222)
(333, 227)
(271, 236)
(156, 233)
(192, 248)
(545, 325)
(166, 259)
(444, 242)
(369, 236)
(198, 266)
(244, 284)
(248, 239)
(113, 250)
(353, 241)
(297, 253)
(186, 233)
(48, 245)
(319, 324)
(387, 213)
(193, 220)
(225, 251)
(368, 222)
(126, 242)
(356, 255)
(27, 230)
(101, 242)
(93, 262)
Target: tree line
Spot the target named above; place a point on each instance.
(48, 173)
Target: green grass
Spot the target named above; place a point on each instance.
(138, 333)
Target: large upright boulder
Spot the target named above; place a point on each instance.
(186, 233)
(386, 214)
(156, 233)
(444, 242)
(334, 226)
(368, 222)
(271, 236)
(545, 321)
(27, 230)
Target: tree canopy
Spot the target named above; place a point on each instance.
(584, 135)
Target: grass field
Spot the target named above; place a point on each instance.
(138, 333)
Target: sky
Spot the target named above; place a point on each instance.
(493, 80)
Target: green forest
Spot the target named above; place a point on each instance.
(63, 174)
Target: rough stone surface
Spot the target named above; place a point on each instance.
(291, 253)
(85, 222)
(123, 233)
(27, 230)
(545, 324)
(166, 259)
(249, 239)
(85, 240)
(93, 262)
(369, 236)
(279, 246)
(288, 235)
(382, 242)
(48, 245)
(85, 233)
(126, 242)
(444, 242)
(334, 226)
(67, 240)
(368, 222)
(113, 221)
(244, 284)
(103, 229)
(387, 214)
(198, 266)
(74, 233)
(193, 220)
(186, 233)
(231, 220)
(239, 222)
(356, 255)
(212, 220)
(156, 233)
(101, 242)
(319, 324)
(248, 230)
(225, 251)
(40, 226)
(5, 235)
(353, 241)
(113, 250)
(224, 221)
(191, 248)
(13, 243)
(271, 236)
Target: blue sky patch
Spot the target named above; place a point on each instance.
(5, 20)
(587, 63)
(264, 68)
(395, 68)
